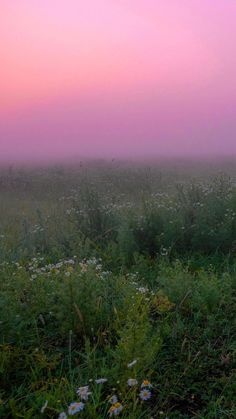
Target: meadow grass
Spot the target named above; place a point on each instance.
(121, 273)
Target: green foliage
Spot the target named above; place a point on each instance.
(103, 267)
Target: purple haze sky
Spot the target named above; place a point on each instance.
(117, 78)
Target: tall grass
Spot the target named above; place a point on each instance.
(118, 272)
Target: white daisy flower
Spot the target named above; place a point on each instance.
(113, 399)
(115, 409)
(142, 290)
(101, 380)
(145, 394)
(132, 382)
(131, 364)
(62, 415)
(83, 392)
(75, 407)
(146, 384)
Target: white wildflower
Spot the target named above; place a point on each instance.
(146, 384)
(115, 409)
(101, 380)
(145, 394)
(132, 382)
(83, 392)
(75, 407)
(142, 290)
(113, 399)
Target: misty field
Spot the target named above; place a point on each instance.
(118, 291)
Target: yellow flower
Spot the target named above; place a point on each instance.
(115, 409)
(146, 383)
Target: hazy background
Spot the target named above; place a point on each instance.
(117, 78)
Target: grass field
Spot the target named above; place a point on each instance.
(124, 274)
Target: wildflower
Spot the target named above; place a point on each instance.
(62, 415)
(44, 406)
(115, 409)
(132, 382)
(101, 380)
(142, 290)
(83, 392)
(113, 399)
(75, 407)
(146, 384)
(145, 394)
(131, 364)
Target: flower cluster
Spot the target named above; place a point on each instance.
(37, 268)
(116, 406)
(83, 393)
(145, 393)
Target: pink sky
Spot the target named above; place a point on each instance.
(117, 78)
